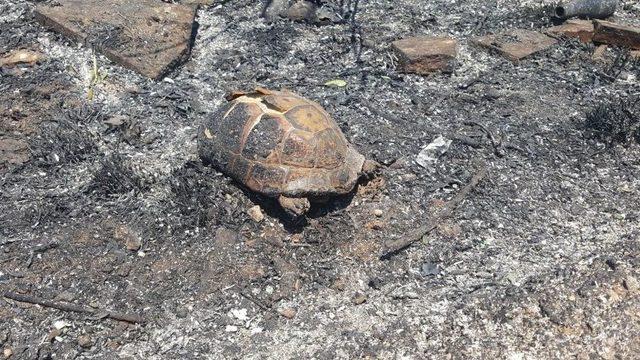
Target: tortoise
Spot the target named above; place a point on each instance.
(281, 145)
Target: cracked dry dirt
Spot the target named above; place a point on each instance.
(113, 210)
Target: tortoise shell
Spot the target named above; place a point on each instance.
(278, 143)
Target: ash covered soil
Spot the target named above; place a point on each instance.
(113, 209)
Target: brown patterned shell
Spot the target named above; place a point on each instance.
(278, 143)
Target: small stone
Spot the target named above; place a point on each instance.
(60, 324)
(599, 53)
(116, 120)
(84, 341)
(430, 269)
(339, 284)
(378, 212)
(240, 314)
(255, 213)
(430, 154)
(288, 313)
(631, 284)
(181, 312)
(424, 55)
(359, 299)
(231, 328)
(302, 11)
(516, 44)
(615, 34)
(580, 29)
(7, 352)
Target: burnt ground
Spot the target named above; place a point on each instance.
(540, 261)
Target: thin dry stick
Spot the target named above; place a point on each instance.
(74, 308)
(396, 246)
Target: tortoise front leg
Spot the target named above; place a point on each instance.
(294, 206)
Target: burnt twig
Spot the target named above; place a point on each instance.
(497, 144)
(131, 318)
(393, 247)
(257, 302)
(40, 250)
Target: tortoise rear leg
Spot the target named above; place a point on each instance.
(294, 206)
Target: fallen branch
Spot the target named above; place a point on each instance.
(257, 302)
(394, 247)
(74, 308)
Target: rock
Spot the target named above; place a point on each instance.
(614, 34)
(231, 328)
(182, 312)
(429, 155)
(131, 240)
(302, 11)
(359, 299)
(429, 269)
(599, 53)
(581, 29)
(20, 57)
(84, 341)
(255, 213)
(116, 120)
(632, 284)
(275, 9)
(7, 352)
(60, 324)
(425, 54)
(288, 313)
(378, 212)
(516, 44)
(240, 314)
(146, 36)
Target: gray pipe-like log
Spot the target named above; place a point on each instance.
(594, 9)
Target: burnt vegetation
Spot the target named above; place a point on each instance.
(615, 121)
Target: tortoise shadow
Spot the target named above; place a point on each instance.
(320, 207)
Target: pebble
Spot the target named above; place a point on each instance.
(255, 213)
(240, 314)
(430, 269)
(378, 212)
(181, 312)
(359, 299)
(231, 328)
(289, 313)
(84, 341)
(7, 353)
(632, 284)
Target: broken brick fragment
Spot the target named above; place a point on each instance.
(615, 34)
(579, 29)
(147, 36)
(516, 44)
(424, 55)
